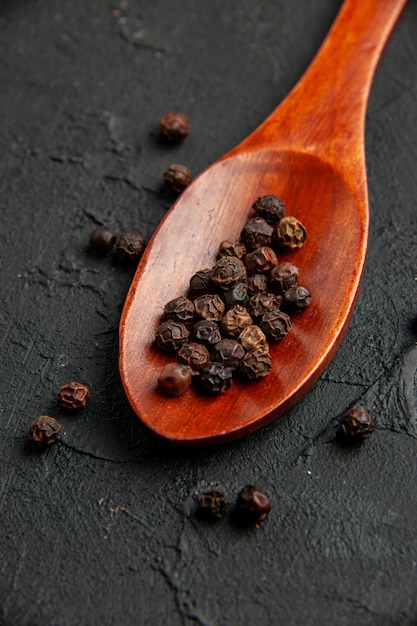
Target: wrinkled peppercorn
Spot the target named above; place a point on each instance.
(228, 351)
(227, 272)
(252, 338)
(275, 325)
(179, 309)
(102, 239)
(171, 335)
(290, 234)
(237, 295)
(297, 299)
(270, 207)
(283, 277)
(206, 332)
(357, 425)
(235, 320)
(261, 303)
(195, 355)
(200, 283)
(130, 247)
(256, 233)
(255, 364)
(213, 503)
(257, 283)
(215, 378)
(228, 247)
(174, 126)
(45, 431)
(177, 177)
(261, 260)
(175, 379)
(73, 396)
(209, 307)
(252, 505)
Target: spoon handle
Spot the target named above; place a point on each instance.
(325, 112)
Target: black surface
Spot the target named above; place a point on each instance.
(101, 529)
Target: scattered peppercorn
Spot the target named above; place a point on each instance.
(227, 272)
(252, 505)
(194, 354)
(356, 425)
(180, 309)
(175, 379)
(215, 378)
(130, 247)
(255, 364)
(171, 335)
(275, 325)
(206, 332)
(270, 207)
(290, 233)
(174, 126)
(283, 277)
(230, 247)
(256, 233)
(209, 307)
(45, 431)
(102, 239)
(213, 503)
(261, 260)
(261, 303)
(297, 299)
(177, 177)
(73, 396)
(228, 351)
(200, 283)
(235, 320)
(252, 338)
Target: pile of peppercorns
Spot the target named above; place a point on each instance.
(235, 309)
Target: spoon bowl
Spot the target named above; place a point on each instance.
(310, 153)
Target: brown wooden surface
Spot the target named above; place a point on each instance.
(310, 152)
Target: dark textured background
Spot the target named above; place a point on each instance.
(101, 529)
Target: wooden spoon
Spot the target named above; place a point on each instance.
(310, 152)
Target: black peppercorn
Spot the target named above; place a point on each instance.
(237, 295)
(229, 247)
(213, 503)
(177, 177)
(227, 272)
(252, 505)
(229, 352)
(102, 239)
(209, 307)
(206, 332)
(252, 338)
(261, 303)
(255, 364)
(261, 260)
(215, 378)
(257, 283)
(171, 335)
(256, 233)
(235, 320)
(45, 431)
(297, 299)
(200, 283)
(73, 396)
(275, 325)
(174, 126)
(357, 425)
(180, 309)
(175, 379)
(270, 207)
(283, 277)
(290, 234)
(130, 247)
(195, 355)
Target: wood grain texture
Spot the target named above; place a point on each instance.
(310, 152)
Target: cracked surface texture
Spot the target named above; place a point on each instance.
(101, 529)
